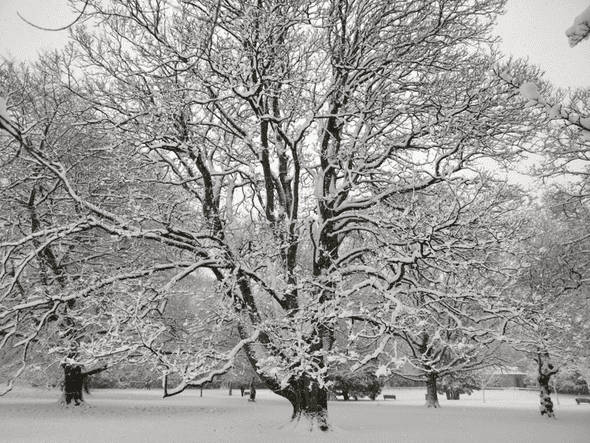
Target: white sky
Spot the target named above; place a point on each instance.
(536, 29)
(533, 28)
(22, 40)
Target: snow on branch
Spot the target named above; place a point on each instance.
(580, 30)
(373, 355)
(24, 343)
(230, 357)
(530, 92)
(6, 121)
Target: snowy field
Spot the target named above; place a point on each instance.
(137, 416)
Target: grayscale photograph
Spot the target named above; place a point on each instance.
(281, 221)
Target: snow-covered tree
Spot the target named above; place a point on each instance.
(550, 296)
(556, 276)
(284, 147)
(37, 259)
(565, 165)
(66, 299)
(446, 314)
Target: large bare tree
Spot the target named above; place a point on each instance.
(279, 145)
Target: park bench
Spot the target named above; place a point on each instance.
(388, 397)
(582, 400)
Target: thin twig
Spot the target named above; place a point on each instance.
(56, 29)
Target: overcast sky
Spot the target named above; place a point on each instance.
(536, 29)
(533, 28)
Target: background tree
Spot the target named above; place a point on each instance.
(458, 383)
(555, 281)
(565, 166)
(363, 383)
(448, 312)
(54, 257)
(550, 324)
(37, 258)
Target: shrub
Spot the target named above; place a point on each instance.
(355, 385)
(456, 384)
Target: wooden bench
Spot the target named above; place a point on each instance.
(582, 400)
(388, 397)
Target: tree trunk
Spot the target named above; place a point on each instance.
(252, 392)
(73, 387)
(310, 405)
(554, 385)
(452, 394)
(309, 400)
(546, 370)
(230, 388)
(75, 383)
(431, 394)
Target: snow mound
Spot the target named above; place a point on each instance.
(529, 91)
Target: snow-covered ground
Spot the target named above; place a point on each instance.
(134, 416)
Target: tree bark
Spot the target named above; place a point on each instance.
(546, 370)
(431, 394)
(252, 392)
(73, 387)
(309, 400)
(310, 404)
(453, 394)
